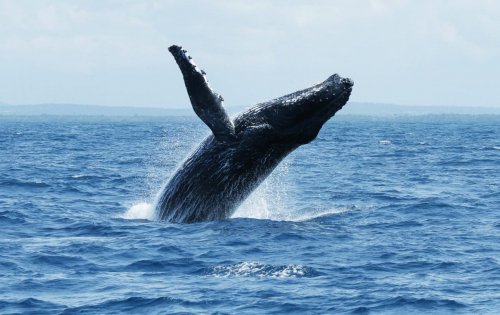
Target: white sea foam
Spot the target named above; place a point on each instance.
(142, 210)
(309, 215)
(249, 269)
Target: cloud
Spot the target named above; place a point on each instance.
(271, 46)
(64, 36)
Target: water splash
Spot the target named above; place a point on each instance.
(271, 199)
(170, 153)
(140, 211)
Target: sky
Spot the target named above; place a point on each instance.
(114, 52)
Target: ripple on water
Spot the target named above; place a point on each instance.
(143, 305)
(35, 183)
(343, 225)
(405, 304)
(29, 305)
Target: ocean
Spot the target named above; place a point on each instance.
(394, 215)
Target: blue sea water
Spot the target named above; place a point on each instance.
(377, 215)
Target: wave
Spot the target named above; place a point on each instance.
(12, 217)
(60, 260)
(407, 303)
(84, 177)
(84, 229)
(314, 214)
(169, 265)
(141, 305)
(29, 305)
(263, 212)
(35, 183)
(128, 161)
(255, 269)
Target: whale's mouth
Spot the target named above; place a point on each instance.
(326, 97)
(341, 90)
(347, 82)
(299, 116)
(296, 118)
(336, 85)
(327, 106)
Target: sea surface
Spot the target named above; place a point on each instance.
(397, 215)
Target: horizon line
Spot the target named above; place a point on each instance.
(243, 106)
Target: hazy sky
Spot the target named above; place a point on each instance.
(115, 52)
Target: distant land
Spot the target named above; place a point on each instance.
(88, 110)
(352, 108)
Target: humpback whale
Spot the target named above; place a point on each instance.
(240, 153)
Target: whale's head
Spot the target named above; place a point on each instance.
(297, 118)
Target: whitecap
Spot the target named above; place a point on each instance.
(260, 209)
(255, 269)
(310, 215)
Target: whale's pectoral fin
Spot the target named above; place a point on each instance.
(206, 103)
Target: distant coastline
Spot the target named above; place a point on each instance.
(353, 108)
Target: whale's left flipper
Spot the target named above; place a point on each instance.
(206, 103)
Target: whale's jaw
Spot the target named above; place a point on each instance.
(298, 117)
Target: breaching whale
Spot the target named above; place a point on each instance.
(240, 153)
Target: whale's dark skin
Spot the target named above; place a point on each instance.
(229, 164)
